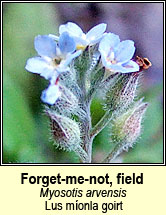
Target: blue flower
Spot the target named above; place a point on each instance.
(82, 40)
(116, 56)
(53, 58)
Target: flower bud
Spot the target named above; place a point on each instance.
(65, 131)
(66, 134)
(68, 102)
(122, 93)
(127, 127)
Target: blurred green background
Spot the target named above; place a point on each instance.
(25, 128)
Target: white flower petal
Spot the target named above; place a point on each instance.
(71, 28)
(108, 43)
(131, 66)
(124, 51)
(35, 65)
(104, 61)
(80, 41)
(96, 33)
(71, 57)
(51, 94)
(117, 68)
(54, 37)
(39, 66)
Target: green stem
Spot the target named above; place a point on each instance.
(87, 143)
(108, 80)
(114, 153)
(99, 85)
(82, 154)
(101, 124)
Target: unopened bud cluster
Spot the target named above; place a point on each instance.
(77, 65)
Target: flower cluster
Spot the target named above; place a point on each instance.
(78, 65)
(56, 53)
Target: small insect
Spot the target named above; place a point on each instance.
(144, 63)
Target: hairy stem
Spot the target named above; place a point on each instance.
(87, 143)
(101, 124)
(82, 154)
(108, 80)
(114, 153)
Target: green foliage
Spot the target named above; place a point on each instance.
(19, 130)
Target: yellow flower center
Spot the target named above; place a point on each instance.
(80, 47)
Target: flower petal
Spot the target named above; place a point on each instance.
(66, 43)
(108, 43)
(39, 66)
(130, 66)
(71, 28)
(80, 41)
(117, 68)
(124, 51)
(45, 46)
(104, 61)
(51, 94)
(54, 37)
(71, 57)
(96, 33)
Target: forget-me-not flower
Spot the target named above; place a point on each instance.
(82, 40)
(116, 56)
(53, 58)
